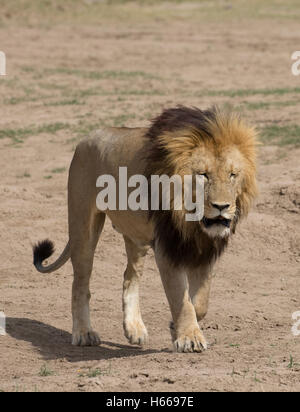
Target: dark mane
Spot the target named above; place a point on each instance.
(181, 117)
(198, 250)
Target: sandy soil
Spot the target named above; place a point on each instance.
(64, 80)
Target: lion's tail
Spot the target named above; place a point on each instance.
(43, 250)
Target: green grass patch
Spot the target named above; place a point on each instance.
(98, 91)
(52, 128)
(281, 135)
(24, 175)
(45, 371)
(49, 12)
(94, 373)
(269, 105)
(25, 99)
(121, 120)
(17, 100)
(53, 86)
(140, 92)
(256, 105)
(58, 170)
(10, 82)
(71, 102)
(250, 92)
(84, 128)
(292, 364)
(100, 75)
(17, 135)
(28, 69)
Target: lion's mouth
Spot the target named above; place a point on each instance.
(217, 221)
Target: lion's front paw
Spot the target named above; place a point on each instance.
(89, 338)
(136, 332)
(191, 342)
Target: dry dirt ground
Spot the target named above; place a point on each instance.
(73, 68)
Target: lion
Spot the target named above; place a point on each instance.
(215, 144)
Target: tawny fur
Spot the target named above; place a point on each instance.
(180, 141)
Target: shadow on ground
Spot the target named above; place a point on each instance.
(53, 343)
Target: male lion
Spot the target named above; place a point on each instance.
(184, 141)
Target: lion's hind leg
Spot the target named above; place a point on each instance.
(134, 328)
(84, 243)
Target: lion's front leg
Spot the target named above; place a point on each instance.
(186, 334)
(200, 284)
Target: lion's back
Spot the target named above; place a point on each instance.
(116, 147)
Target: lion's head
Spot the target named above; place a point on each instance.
(221, 147)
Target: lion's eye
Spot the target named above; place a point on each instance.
(233, 176)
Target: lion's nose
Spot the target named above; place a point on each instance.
(221, 206)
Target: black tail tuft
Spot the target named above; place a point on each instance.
(42, 251)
